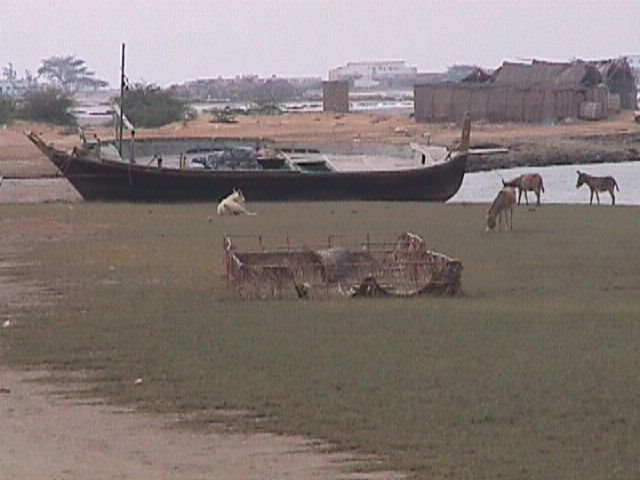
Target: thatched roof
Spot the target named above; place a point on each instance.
(477, 76)
(579, 74)
(617, 68)
(538, 73)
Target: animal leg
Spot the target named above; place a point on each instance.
(526, 197)
(538, 197)
(591, 199)
(613, 197)
(520, 195)
(597, 196)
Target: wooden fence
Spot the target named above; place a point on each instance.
(449, 102)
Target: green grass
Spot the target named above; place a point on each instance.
(531, 374)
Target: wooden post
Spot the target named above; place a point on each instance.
(121, 102)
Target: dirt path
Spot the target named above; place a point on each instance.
(45, 435)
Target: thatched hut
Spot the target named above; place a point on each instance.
(619, 78)
(536, 92)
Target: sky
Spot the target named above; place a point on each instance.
(176, 41)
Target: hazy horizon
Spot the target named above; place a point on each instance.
(174, 42)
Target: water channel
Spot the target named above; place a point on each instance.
(559, 183)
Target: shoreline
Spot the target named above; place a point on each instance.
(614, 140)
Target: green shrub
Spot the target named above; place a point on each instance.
(149, 106)
(7, 109)
(49, 105)
(225, 115)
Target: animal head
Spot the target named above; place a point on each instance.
(237, 196)
(511, 183)
(581, 178)
(504, 201)
(491, 222)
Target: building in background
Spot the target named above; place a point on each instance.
(539, 91)
(371, 75)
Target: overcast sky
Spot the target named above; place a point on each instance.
(175, 41)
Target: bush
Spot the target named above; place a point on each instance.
(7, 109)
(149, 106)
(49, 105)
(225, 115)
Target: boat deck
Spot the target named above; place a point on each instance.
(352, 163)
(364, 162)
(347, 162)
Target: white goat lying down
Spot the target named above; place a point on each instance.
(233, 204)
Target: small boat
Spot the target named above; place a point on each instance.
(207, 169)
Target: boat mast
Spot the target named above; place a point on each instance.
(121, 102)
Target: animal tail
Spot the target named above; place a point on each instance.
(616, 184)
(541, 185)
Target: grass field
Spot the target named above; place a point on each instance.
(532, 373)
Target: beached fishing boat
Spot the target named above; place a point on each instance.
(207, 169)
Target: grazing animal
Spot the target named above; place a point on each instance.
(502, 209)
(598, 184)
(233, 204)
(527, 182)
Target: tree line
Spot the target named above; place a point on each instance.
(53, 102)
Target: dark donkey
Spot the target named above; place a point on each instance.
(527, 182)
(598, 184)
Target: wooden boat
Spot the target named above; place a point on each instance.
(180, 170)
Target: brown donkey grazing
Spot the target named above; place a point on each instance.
(598, 184)
(527, 182)
(502, 209)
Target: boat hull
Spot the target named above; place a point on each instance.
(121, 181)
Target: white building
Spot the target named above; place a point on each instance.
(374, 74)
